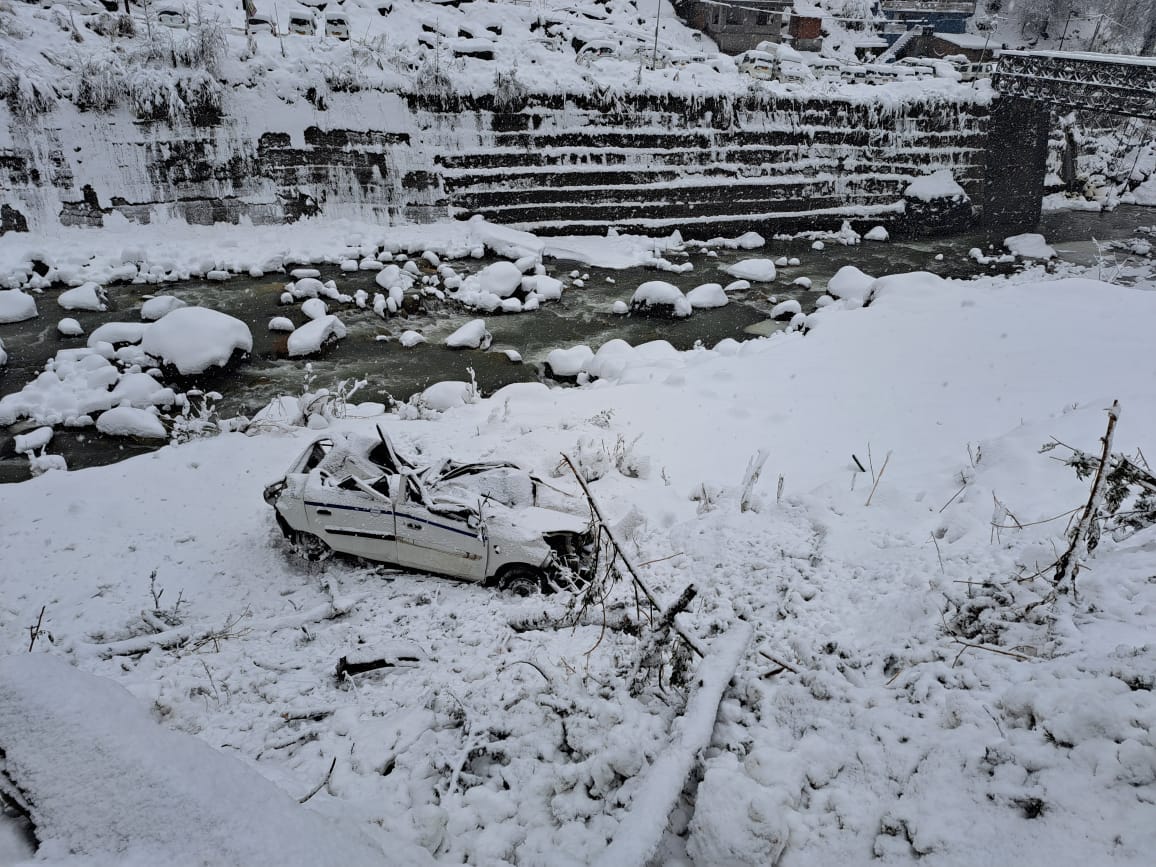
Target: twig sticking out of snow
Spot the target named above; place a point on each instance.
(321, 785)
(1068, 566)
(751, 478)
(641, 830)
(882, 470)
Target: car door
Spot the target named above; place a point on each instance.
(449, 542)
(353, 518)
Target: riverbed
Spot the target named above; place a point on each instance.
(584, 315)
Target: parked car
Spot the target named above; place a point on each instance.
(261, 23)
(336, 25)
(478, 522)
(758, 64)
(301, 23)
(171, 16)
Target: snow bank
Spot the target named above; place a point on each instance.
(759, 270)
(87, 296)
(15, 306)
(193, 339)
(129, 421)
(110, 785)
(314, 334)
(1029, 245)
(937, 185)
(73, 384)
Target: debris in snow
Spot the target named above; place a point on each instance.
(69, 327)
(707, 295)
(15, 306)
(311, 337)
(130, 421)
(192, 339)
(1030, 245)
(87, 296)
(159, 307)
(472, 335)
(658, 296)
(758, 270)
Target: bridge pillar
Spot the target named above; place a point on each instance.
(1017, 153)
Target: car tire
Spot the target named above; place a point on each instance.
(521, 581)
(309, 547)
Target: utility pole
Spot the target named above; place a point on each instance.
(1096, 32)
(1066, 23)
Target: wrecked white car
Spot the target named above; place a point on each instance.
(478, 522)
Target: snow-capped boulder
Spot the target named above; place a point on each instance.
(878, 233)
(759, 270)
(569, 362)
(281, 323)
(786, 310)
(546, 288)
(849, 282)
(159, 307)
(936, 204)
(130, 421)
(620, 307)
(1030, 245)
(306, 287)
(707, 295)
(660, 297)
(314, 334)
(314, 308)
(140, 389)
(15, 306)
(87, 296)
(410, 339)
(3, 354)
(192, 339)
(446, 395)
(33, 440)
(500, 278)
(472, 335)
(299, 273)
(118, 333)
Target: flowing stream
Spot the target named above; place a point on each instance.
(582, 316)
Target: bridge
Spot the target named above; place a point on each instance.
(1112, 83)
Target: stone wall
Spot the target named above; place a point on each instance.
(707, 166)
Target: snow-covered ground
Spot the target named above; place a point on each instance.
(912, 691)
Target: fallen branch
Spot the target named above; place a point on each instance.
(966, 646)
(34, 631)
(878, 478)
(1071, 561)
(321, 785)
(691, 642)
(185, 635)
(642, 828)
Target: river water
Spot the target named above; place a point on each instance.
(582, 316)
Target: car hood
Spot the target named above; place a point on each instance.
(532, 522)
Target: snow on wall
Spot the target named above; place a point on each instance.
(647, 161)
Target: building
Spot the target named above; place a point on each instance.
(739, 26)
(941, 45)
(945, 16)
(806, 32)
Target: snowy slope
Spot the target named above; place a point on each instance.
(859, 725)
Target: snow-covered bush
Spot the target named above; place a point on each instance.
(98, 83)
(26, 93)
(509, 93)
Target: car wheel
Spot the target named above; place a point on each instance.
(521, 581)
(309, 546)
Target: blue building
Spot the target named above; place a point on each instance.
(945, 16)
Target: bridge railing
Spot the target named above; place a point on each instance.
(1117, 84)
